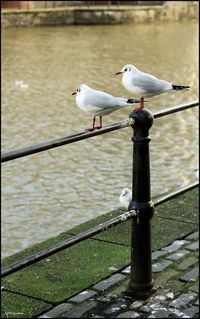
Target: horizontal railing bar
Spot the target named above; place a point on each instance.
(8, 156)
(171, 195)
(174, 109)
(66, 243)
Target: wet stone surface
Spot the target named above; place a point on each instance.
(178, 255)
(157, 254)
(191, 275)
(175, 245)
(193, 246)
(183, 300)
(186, 263)
(84, 295)
(105, 284)
(161, 265)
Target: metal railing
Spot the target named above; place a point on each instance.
(141, 209)
(8, 156)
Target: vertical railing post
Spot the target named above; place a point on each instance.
(141, 283)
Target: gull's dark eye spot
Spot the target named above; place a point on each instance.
(125, 69)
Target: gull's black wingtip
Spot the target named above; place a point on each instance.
(134, 101)
(180, 87)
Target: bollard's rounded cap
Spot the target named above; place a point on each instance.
(144, 117)
(143, 120)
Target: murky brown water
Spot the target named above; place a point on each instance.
(50, 192)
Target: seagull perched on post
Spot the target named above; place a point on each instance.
(99, 103)
(125, 197)
(145, 85)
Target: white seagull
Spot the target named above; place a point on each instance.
(125, 197)
(145, 85)
(99, 103)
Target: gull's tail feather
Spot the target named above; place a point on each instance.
(180, 87)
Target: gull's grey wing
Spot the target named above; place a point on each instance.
(150, 83)
(102, 100)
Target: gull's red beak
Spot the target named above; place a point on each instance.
(74, 93)
(118, 73)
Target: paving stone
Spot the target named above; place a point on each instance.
(183, 300)
(156, 305)
(191, 275)
(175, 245)
(126, 270)
(178, 254)
(129, 314)
(82, 296)
(105, 284)
(165, 276)
(96, 316)
(177, 313)
(154, 297)
(193, 236)
(195, 287)
(161, 265)
(115, 307)
(197, 303)
(191, 311)
(156, 254)
(163, 313)
(152, 305)
(175, 285)
(80, 310)
(57, 311)
(137, 304)
(187, 263)
(160, 297)
(193, 246)
(145, 309)
(170, 295)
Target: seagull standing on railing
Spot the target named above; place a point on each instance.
(145, 85)
(125, 197)
(99, 103)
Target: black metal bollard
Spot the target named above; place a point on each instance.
(141, 283)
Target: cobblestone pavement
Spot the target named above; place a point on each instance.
(175, 294)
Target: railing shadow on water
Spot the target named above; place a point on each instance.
(140, 210)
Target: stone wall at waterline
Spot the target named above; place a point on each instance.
(170, 11)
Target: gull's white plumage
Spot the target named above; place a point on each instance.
(99, 103)
(142, 84)
(125, 197)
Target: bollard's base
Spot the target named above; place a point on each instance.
(140, 291)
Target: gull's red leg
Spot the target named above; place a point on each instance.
(141, 106)
(100, 122)
(93, 125)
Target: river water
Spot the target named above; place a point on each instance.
(50, 192)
